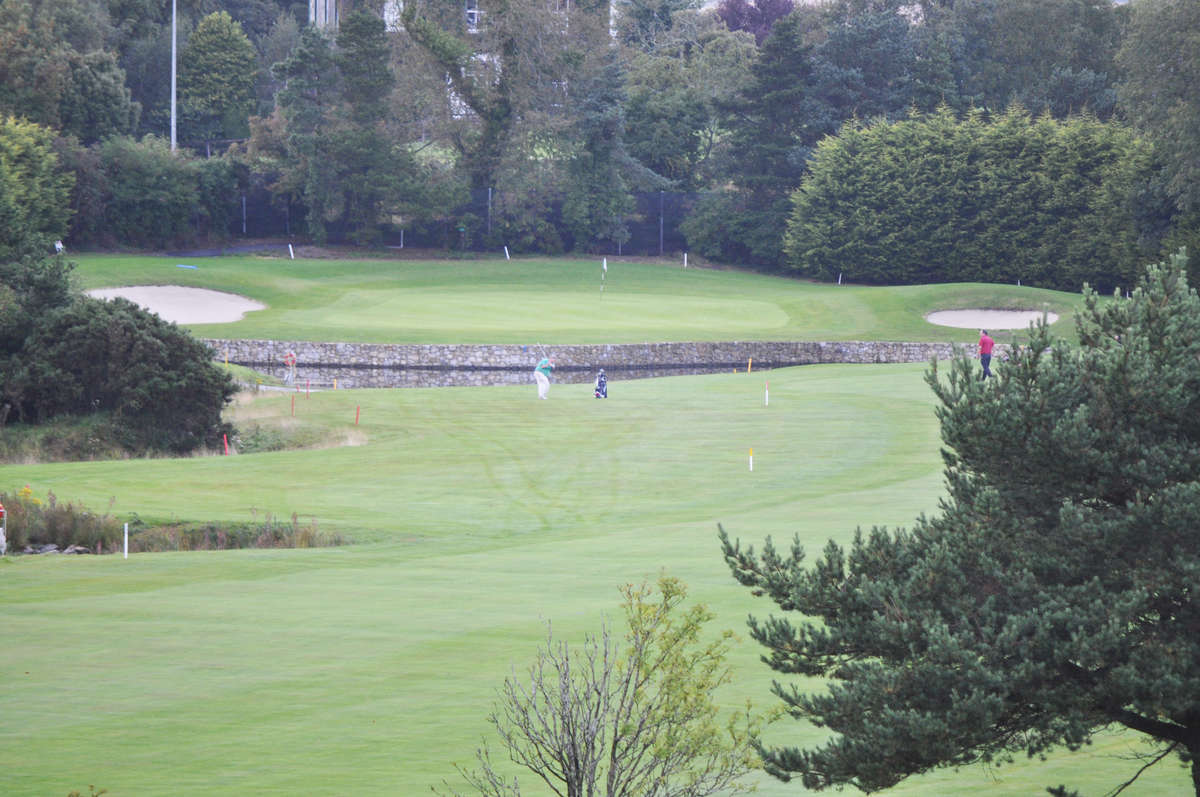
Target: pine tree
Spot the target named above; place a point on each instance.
(1054, 594)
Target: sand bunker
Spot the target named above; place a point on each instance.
(988, 319)
(184, 305)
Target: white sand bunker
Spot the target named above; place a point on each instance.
(988, 319)
(184, 305)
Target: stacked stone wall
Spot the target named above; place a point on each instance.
(357, 365)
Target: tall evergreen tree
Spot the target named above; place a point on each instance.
(598, 201)
(1054, 594)
(769, 141)
(216, 79)
(1161, 60)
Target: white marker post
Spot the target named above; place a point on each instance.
(767, 395)
(291, 252)
(685, 259)
(752, 460)
(506, 257)
(126, 540)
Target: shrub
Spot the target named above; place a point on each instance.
(210, 536)
(33, 521)
(158, 384)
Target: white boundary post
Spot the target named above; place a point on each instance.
(126, 540)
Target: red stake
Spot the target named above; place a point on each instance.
(356, 409)
(225, 437)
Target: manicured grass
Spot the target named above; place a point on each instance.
(481, 513)
(557, 301)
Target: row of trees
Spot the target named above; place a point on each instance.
(355, 130)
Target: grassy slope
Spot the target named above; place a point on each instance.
(369, 669)
(556, 301)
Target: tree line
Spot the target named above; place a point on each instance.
(565, 113)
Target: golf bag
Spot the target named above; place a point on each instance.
(601, 385)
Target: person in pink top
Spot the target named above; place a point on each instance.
(985, 352)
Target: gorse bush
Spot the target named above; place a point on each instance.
(157, 384)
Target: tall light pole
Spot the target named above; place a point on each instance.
(172, 75)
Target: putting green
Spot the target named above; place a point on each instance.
(378, 313)
(558, 301)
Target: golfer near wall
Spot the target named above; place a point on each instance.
(541, 375)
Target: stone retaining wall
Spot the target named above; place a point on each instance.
(356, 365)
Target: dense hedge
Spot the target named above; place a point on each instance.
(938, 199)
(157, 383)
(138, 193)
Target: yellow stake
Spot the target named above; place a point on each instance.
(749, 365)
(335, 383)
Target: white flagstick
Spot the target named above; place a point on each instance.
(767, 395)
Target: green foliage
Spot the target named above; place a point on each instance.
(34, 190)
(935, 199)
(1161, 71)
(1055, 55)
(55, 72)
(270, 532)
(338, 154)
(87, 438)
(95, 102)
(672, 123)
(639, 719)
(34, 521)
(767, 123)
(158, 383)
(150, 194)
(362, 57)
(597, 200)
(1052, 596)
(139, 193)
(216, 79)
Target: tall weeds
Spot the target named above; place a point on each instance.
(34, 522)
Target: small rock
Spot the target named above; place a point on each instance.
(51, 548)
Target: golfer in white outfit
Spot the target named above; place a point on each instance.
(542, 375)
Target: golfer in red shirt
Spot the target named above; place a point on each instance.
(985, 352)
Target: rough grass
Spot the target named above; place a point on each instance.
(480, 513)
